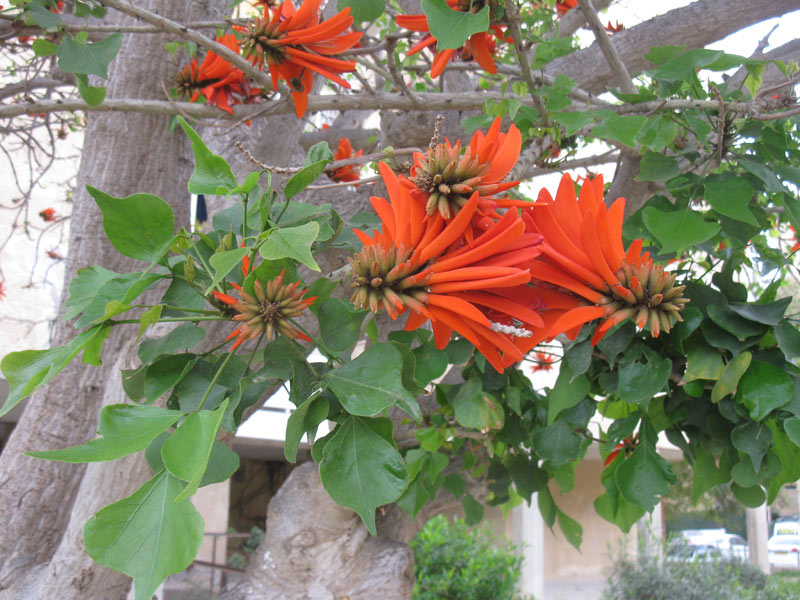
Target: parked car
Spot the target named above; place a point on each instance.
(784, 551)
(786, 527)
(727, 545)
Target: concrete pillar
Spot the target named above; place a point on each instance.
(757, 534)
(650, 533)
(529, 533)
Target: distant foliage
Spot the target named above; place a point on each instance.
(454, 562)
(650, 578)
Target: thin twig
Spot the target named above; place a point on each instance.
(608, 50)
(327, 186)
(512, 16)
(396, 77)
(258, 163)
(187, 33)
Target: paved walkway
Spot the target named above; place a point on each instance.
(573, 590)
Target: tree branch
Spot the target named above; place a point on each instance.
(608, 50)
(201, 40)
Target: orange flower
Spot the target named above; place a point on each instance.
(480, 46)
(347, 173)
(269, 312)
(218, 80)
(2, 291)
(444, 180)
(427, 266)
(295, 45)
(796, 245)
(544, 362)
(48, 215)
(582, 252)
(614, 28)
(564, 6)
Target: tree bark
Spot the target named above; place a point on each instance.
(38, 503)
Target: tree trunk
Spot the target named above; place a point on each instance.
(43, 504)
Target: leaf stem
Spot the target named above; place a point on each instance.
(214, 381)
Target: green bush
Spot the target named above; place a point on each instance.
(454, 562)
(650, 578)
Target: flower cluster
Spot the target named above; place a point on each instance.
(504, 274)
(221, 83)
(294, 45)
(480, 46)
(269, 312)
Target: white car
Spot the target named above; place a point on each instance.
(784, 551)
(725, 545)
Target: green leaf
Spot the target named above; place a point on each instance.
(753, 439)
(558, 442)
(304, 418)
(182, 337)
(788, 338)
(772, 184)
(147, 535)
(644, 477)
(372, 382)
(224, 262)
(28, 370)
(80, 57)
(166, 372)
(612, 506)
(707, 474)
(639, 382)
(362, 10)
(37, 14)
(148, 318)
(618, 128)
(657, 167)
(702, 362)
(477, 409)
(93, 96)
(473, 510)
(339, 324)
(573, 121)
(731, 374)
(657, 133)
(139, 226)
(430, 438)
(212, 174)
(571, 529)
(361, 469)
(678, 229)
(292, 242)
(764, 388)
(566, 393)
(125, 429)
(318, 158)
(768, 314)
(752, 497)
(731, 197)
(430, 363)
(222, 463)
(452, 28)
(42, 47)
(186, 452)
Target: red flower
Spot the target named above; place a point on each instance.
(347, 173)
(2, 291)
(476, 289)
(444, 180)
(625, 447)
(564, 6)
(295, 45)
(57, 8)
(796, 245)
(582, 252)
(53, 253)
(219, 81)
(479, 47)
(544, 362)
(48, 215)
(614, 28)
(269, 312)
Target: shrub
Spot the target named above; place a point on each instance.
(454, 562)
(650, 578)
